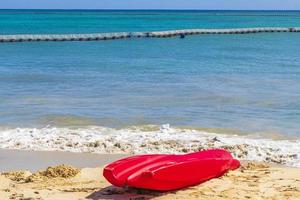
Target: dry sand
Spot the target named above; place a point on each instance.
(251, 181)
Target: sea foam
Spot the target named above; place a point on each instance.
(166, 139)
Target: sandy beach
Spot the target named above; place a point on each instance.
(82, 86)
(251, 181)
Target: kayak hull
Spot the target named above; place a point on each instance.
(164, 172)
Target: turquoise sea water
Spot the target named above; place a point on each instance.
(244, 82)
(88, 21)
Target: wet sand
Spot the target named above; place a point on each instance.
(11, 160)
(251, 181)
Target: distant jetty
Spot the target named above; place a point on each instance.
(124, 35)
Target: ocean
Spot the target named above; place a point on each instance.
(245, 88)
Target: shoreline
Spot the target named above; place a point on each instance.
(16, 160)
(150, 140)
(252, 180)
(35, 160)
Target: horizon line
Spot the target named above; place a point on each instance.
(150, 9)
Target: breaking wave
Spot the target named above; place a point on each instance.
(139, 140)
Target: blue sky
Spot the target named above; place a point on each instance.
(152, 4)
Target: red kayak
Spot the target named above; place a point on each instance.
(169, 172)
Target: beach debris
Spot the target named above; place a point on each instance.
(61, 171)
(17, 175)
(238, 150)
(254, 166)
(79, 189)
